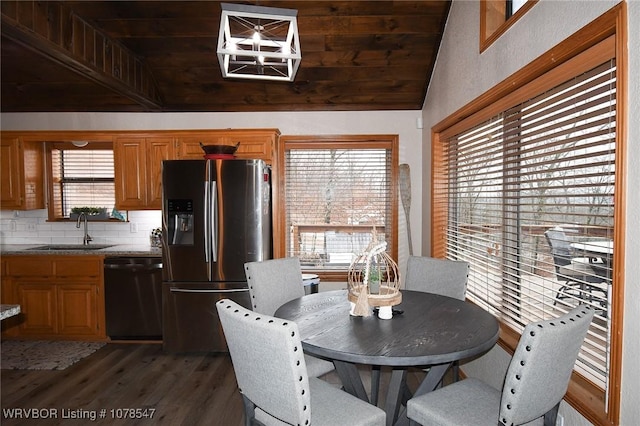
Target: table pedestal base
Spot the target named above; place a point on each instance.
(396, 398)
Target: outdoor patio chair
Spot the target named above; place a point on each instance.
(579, 279)
(535, 383)
(272, 377)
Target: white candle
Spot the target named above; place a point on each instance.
(385, 312)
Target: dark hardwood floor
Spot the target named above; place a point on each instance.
(179, 389)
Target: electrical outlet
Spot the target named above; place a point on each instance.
(133, 227)
(31, 227)
(560, 420)
(13, 225)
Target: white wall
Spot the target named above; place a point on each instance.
(462, 74)
(402, 123)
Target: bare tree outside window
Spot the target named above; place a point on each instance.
(547, 163)
(336, 199)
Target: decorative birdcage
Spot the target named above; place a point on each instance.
(373, 280)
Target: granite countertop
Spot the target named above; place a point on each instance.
(143, 250)
(7, 311)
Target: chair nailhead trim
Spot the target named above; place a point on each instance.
(298, 361)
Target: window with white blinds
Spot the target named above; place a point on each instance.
(81, 177)
(339, 195)
(538, 174)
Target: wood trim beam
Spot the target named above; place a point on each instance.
(55, 32)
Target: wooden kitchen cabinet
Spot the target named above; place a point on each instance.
(76, 309)
(188, 147)
(21, 180)
(37, 302)
(138, 171)
(138, 159)
(257, 143)
(8, 296)
(60, 297)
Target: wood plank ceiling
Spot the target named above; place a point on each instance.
(119, 56)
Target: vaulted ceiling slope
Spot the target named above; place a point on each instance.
(155, 56)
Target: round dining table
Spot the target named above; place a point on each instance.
(427, 330)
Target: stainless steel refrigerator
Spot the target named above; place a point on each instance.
(216, 215)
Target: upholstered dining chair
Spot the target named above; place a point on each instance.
(580, 280)
(439, 276)
(271, 372)
(274, 282)
(431, 275)
(536, 381)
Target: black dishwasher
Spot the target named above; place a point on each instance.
(133, 297)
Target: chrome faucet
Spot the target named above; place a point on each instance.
(87, 237)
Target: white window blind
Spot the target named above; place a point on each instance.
(82, 178)
(544, 164)
(336, 198)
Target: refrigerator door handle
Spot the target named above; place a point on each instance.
(207, 208)
(186, 290)
(214, 221)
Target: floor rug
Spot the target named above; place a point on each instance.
(44, 354)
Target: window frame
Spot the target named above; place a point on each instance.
(494, 21)
(590, 401)
(332, 142)
(65, 145)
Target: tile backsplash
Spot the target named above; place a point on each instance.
(31, 227)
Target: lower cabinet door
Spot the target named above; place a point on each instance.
(38, 307)
(77, 309)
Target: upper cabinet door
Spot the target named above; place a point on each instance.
(138, 171)
(158, 150)
(189, 146)
(130, 171)
(254, 144)
(258, 143)
(21, 175)
(11, 176)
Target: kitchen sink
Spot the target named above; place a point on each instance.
(82, 247)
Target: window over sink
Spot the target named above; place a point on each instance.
(79, 176)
